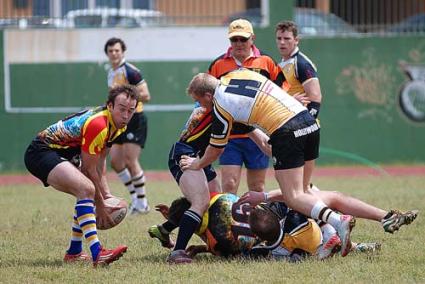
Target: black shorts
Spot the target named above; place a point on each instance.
(40, 159)
(179, 149)
(136, 132)
(295, 142)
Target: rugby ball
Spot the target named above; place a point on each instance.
(117, 214)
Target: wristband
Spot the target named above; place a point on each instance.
(266, 196)
(313, 109)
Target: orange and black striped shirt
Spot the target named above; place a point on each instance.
(257, 62)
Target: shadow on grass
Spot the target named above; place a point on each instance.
(162, 258)
(40, 262)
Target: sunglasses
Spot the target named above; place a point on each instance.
(239, 39)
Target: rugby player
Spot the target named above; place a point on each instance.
(241, 150)
(88, 133)
(249, 98)
(194, 184)
(232, 228)
(126, 149)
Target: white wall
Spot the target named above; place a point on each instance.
(86, 45)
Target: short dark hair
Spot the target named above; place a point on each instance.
(129, 90)
(112, 41)
(264, 224)
(177, 209)
(287, 26)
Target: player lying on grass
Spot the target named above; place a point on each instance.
(390, 220)
(226, 230)
(89, 134)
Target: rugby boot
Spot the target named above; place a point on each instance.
(395, 219)
(155, 232)
(329, 248)
(107, 256)
(178, 257)
(79, 257)
(344, 230)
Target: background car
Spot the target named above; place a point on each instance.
(111, 17)
(34, 22)
(412, 24)
(311, 22)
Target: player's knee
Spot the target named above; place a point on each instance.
(87, 192)
(230, 185)
(117, 165)
(339, 195)
(201, 205)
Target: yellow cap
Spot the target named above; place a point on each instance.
(240, 27)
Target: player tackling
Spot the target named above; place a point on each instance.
(247, 97)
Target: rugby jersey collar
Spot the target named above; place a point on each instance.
(293, 54)
(121, 64)
(255, 52)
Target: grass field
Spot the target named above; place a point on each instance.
(35, 229)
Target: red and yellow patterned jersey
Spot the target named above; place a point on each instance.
(298, 70)
(226, 230)
(126, 73)
(249, 98)
(90, 130)
(225, 227)
(197, 130)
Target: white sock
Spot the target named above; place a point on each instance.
(139, 185)
(125, 177)
(322, 212)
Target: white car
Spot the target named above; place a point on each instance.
(112, 17)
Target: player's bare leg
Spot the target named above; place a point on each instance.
(194, 187)
(391, 220)
(291, 184)
(118, 164)
(131, 155)
(230, 178)
(256, 179)
(308, 173)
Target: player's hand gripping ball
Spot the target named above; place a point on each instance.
(117, 210)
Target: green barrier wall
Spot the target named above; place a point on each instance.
(43, 85)
(360, 77)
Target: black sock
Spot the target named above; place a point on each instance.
(188, 224)
(167, 227)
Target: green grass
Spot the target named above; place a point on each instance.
(35, 229)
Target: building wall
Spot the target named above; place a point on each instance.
(9, 10)
(207, 12)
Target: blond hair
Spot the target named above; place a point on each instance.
(201, 84)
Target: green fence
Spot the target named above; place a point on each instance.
(361, 118)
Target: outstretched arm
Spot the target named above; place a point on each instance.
(210, 155)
